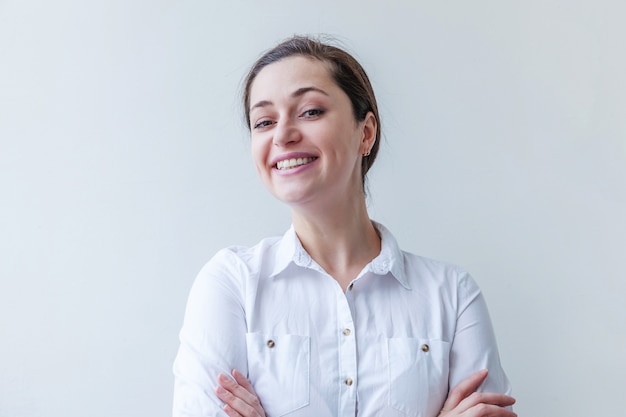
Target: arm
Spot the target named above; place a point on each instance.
(213, 337)
(474, 345)
(464, 400)
(485, 392)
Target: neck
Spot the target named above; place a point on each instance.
(341, 239)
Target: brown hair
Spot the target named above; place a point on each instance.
(345, 70)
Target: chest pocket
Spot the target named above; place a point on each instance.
(278, 368)
(418, 375)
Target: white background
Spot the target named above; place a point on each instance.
(124, 166)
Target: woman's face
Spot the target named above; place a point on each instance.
(306, 143)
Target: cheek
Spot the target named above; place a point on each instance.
(259, 156)
(350, 142)
(255, 149)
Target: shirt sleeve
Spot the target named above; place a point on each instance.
(474, 346)
(213, 337)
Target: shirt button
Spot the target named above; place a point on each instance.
(270, 344)
(425, 348)
(346, 332)
(349, 381)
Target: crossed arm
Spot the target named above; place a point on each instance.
(463, 400)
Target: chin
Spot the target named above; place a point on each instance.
(293, 197)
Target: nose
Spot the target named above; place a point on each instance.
(285, 133)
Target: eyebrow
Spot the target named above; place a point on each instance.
(299, 92)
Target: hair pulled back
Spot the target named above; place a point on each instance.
(345, 71)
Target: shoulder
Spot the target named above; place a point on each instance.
(231, 273)
(432, 268)
(421, 272)
(242, 259)
(440, 276)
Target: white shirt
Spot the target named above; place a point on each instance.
(406, 330)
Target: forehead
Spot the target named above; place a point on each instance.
(283, 77)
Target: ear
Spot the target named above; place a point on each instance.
(369, 127)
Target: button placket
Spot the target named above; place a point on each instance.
(347, 354)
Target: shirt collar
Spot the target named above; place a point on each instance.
(390, 259)
(289, 250)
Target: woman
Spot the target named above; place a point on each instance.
(332, 318)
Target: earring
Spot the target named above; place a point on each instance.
(366, 154)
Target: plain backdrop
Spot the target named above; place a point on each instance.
(124, 166)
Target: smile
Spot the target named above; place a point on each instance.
(293, 163)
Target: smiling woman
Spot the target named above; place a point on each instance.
(332, 318)
(345, 71)
(298, 121)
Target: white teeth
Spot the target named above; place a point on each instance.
(293, 162)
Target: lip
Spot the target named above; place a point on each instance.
(296, 170)
(291, 155)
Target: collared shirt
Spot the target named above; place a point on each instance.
(406, 330)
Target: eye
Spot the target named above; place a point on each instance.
(263, 123)
(308, 114)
